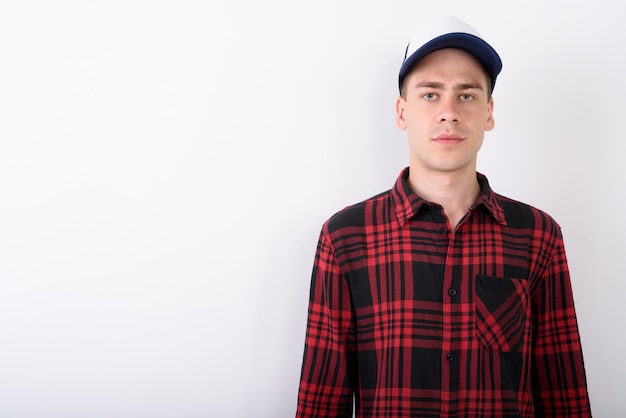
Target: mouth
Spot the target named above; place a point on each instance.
(448, 139)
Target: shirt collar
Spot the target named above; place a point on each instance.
(407, 203)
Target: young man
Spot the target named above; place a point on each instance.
(439, 297)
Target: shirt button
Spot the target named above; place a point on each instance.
(452, 292)
(443, 231)
(450, 357)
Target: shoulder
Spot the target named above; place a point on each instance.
(359, 215)
(520, 215)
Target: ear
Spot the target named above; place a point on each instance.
(490, 122)
(400, 109)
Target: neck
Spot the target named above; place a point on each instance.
(456, 192)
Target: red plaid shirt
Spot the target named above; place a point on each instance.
(414, 320)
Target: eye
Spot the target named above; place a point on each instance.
(466, 97)
(429, 96)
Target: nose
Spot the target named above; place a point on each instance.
(448, 111)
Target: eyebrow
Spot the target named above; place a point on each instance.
(437, 85)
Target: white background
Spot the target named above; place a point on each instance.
(165, 168)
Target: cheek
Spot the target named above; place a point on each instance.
(417, 118)
(414, 126)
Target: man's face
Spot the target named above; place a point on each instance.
(446, 111)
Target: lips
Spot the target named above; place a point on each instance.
(448, 139)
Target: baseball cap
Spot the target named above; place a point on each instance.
(450, 32)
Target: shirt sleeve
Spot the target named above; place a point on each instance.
(559, 381)
(328, 367)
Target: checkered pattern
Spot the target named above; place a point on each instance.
(412, 320)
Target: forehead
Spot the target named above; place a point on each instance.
(450, 62)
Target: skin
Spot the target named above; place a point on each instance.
(446, 110)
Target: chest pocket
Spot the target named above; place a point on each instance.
(500, 313)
